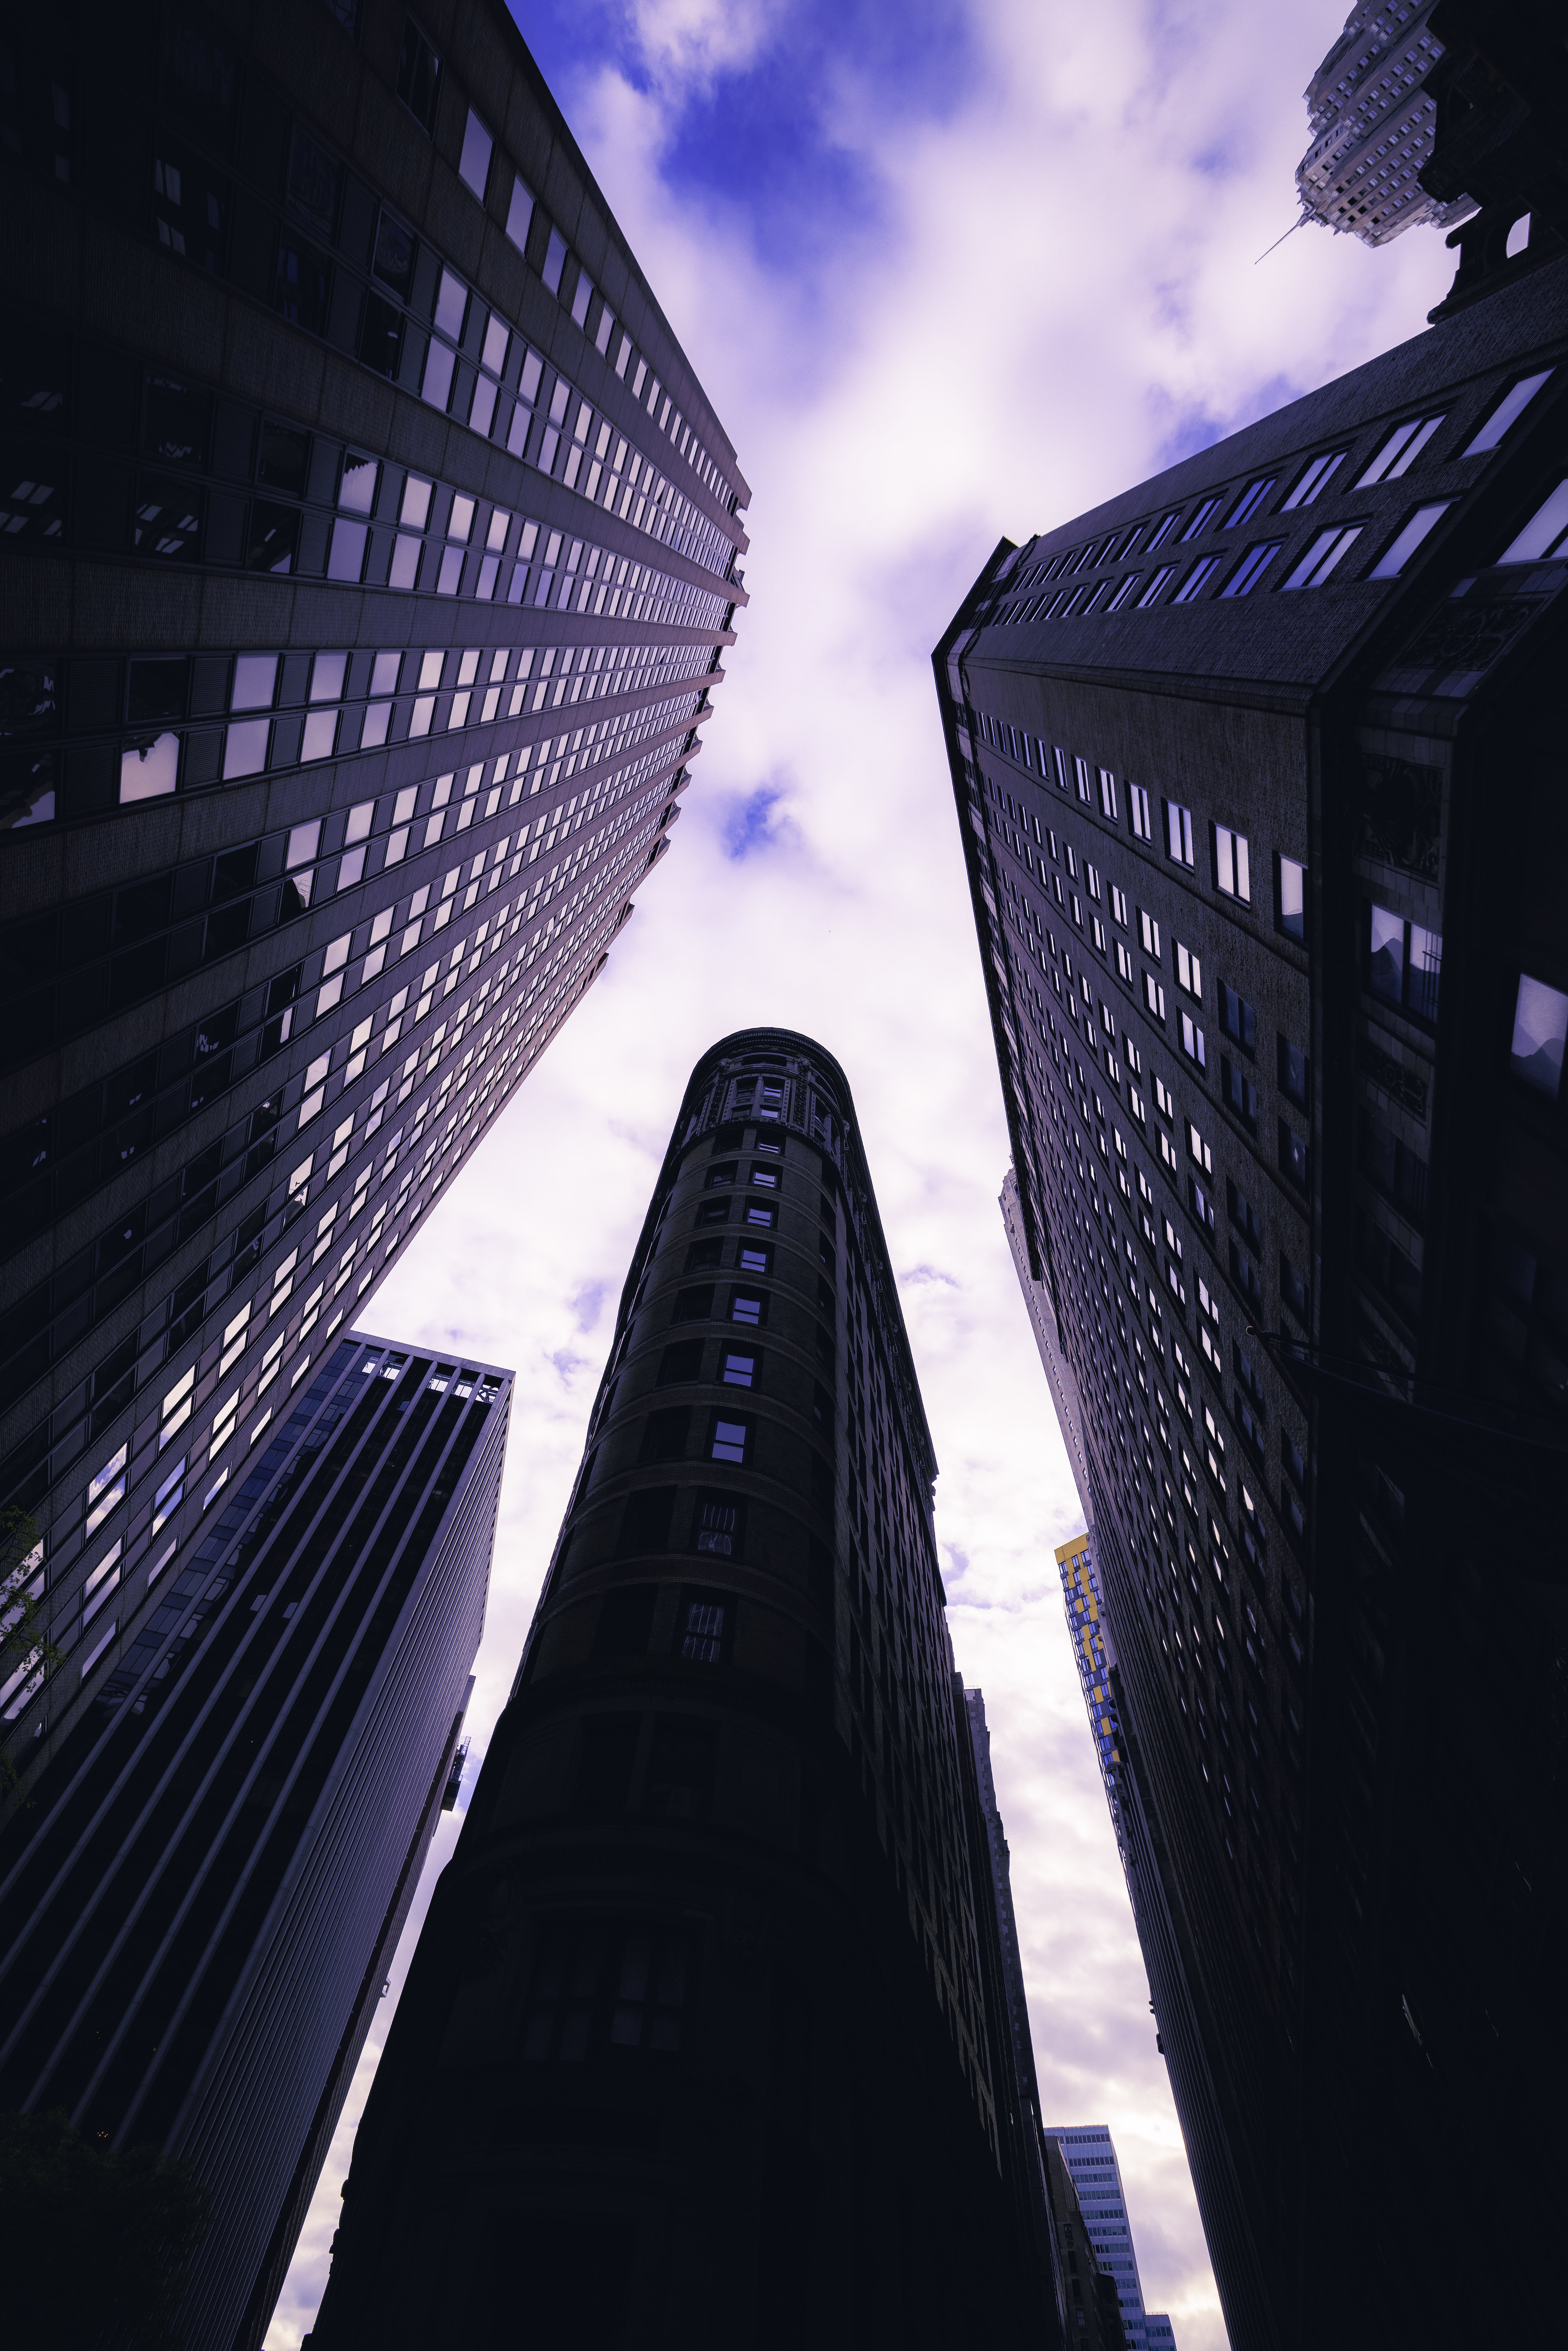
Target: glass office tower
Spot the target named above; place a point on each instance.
(368, 558)
(1089, 2154)
(202, 1901)
(698, 2044)
(1254, 769)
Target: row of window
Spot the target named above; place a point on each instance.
(1393, 457)
(1101, 788)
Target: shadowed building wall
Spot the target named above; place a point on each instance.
(1255, 769)
(203, 1900)
(698, 2046)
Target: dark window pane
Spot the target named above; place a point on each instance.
(299, 290)
(29, 701)
(156, 692)
(272, 543)
(168, 517)
(625, 1622)
(394, 258)
(34, 379)
(284, 459)
(32, 492)
(418, 76)
(191, 204)
(177, 422)
(381, 335)
(313, 181)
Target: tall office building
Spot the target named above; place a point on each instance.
(369, 560)
(202, 1901)
(1373, 124)
(1091, 2299)
(1088, 1631)
(1253, 771)
(696, 2044)
(1089, 2154)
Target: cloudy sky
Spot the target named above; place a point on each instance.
(947, 272)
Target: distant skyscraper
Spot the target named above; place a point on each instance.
(1091, 2158)
(367, 561)
(1281, 1056)
(1091, 2294)
(695, 2046)
(1089, 1632)
(202, 1905)
(1374, 123)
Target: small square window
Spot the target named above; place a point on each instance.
(738, 1371)
(728, 1439)
(749, 1307)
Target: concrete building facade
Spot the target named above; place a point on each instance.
(1280, 1025)
(370, 554)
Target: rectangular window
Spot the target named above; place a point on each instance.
(693, 1305)
(555, 261)
(1155, 998)
(1400, 450)
(1124, 592)
(1507, 413)
(1108, 794)
(1241, 1093)
(1251, 567)
(1203, 515)
(1405, 962)
(727, 1440)
(1290, 897)
(419, 75)
(1293, 1154)
(1237, 1018)
(738, 1371)
(519, 213)
(1545, 535)
(1316, 475)
(1293, 1289)
(1138, 812)
(1293, 1073)
(474, 167)
(1421, 524)
(680, 1362)
(748, 1307)
(1159, 581)
(1232, 864)
(1324, 555)
(1190, 970)
(718, 1526)
(1081, 771)
(1196, 579)
(1247, 504)
(1178, 833)
(1539, 1034)
(1192, 1042)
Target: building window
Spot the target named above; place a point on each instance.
(1189, 971)
(1293, 1155)
(519, 214)
(1293, 1074)
(1159, 581)
(1238, 1018)
(1108, 794)
(1326, 552)
(718, 1526)
(597, 1990)
(1252, 499)
(748, 1307)
(1178, 833)
(1405, 962)
(1203, 515)
(1539, 1032)
(694, 1305)
(665, 1434)
(1081, 772)
(1149, 934)
(1163, 530)
(1155, 998)
(682, 1361)
(1232, 864)
(1241, 1093)
(1545, 535)
(738, 1371)
(419, 75)
(474, 169)
(1316, 475)
(1192, 1042)
(1507, 413)
(1196, 579)
(1399, 452)
(1291, 898)
(1138, 812)
(1252, 567)
(1293, 1289)
(1424, 520)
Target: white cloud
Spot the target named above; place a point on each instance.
(1050, 278)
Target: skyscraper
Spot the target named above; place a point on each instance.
(1092, 2298)
(1249, 765)
(1089, 2154)
(369, 558)
(1086, 1629)
(1374, 125)
(696, 2044)
(202, 1901)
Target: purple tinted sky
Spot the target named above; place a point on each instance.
(945, 273)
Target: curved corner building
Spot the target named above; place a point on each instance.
(696, 2044)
